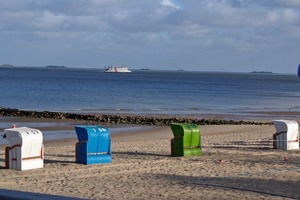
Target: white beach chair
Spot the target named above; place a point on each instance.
(26, 149)
(287, 134)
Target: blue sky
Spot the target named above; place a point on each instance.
(202, 35)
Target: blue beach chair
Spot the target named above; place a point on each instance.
(93, 146)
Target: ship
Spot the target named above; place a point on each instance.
(122, 69)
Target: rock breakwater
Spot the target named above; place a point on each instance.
(120, 119)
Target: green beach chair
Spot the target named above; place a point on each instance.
(186, 141)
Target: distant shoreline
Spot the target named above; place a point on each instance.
(147, 69)
(262, 72)
(56, 66)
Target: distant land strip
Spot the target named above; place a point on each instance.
(120, 119)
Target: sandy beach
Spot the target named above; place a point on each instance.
(238, 162)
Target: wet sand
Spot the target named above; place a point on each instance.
(55, 129)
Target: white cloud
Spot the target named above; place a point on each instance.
(170, 4)
(284, 17)
(48, 20)
(291, 15)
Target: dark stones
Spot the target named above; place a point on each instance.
(115, 119)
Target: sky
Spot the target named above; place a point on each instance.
(200, 35)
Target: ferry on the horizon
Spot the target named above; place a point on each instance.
(122, 69)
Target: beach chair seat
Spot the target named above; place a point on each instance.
(93, 146)
(287, 135)
(26, 149)
(186, 141)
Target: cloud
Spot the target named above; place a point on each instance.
(169, 3)
(235, 29)
(50, 21)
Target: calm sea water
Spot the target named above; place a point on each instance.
(147, 91)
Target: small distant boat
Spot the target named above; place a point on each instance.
(122, 69)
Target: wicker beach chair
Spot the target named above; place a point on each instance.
(287, 135)
(186, 141)
(26, 149)
(93, 146)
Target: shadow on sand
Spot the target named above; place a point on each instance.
(268, 188)
(13, 194)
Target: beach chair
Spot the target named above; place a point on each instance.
(26, 149)
(287, 135)
(186, 141)
(93, 146)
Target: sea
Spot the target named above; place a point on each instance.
(236, 96)
(150, 92)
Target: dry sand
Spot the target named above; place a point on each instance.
(142, 168)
